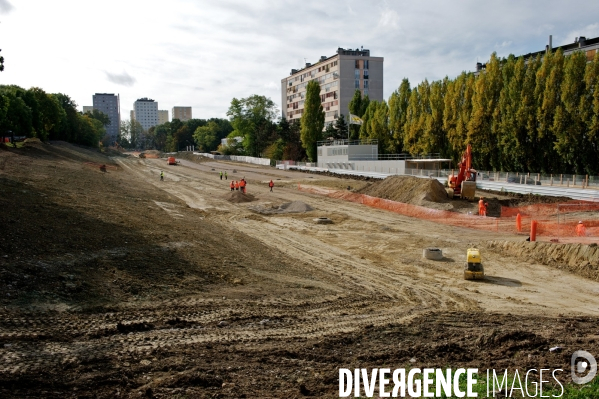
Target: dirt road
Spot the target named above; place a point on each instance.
(122, 284)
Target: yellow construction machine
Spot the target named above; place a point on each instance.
(474, 268)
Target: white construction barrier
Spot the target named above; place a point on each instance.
(236, 158)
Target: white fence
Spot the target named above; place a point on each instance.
(236, 158)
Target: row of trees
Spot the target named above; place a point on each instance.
(175, 135)
(35, 113)
(536, 115)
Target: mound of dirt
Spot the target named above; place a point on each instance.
(288, 207)
(408, 189)
(32, 140)
(238, 197)
(579, 259)
(295, 207)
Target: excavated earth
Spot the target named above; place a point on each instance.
(117, 284)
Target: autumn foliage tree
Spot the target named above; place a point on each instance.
(312, 121)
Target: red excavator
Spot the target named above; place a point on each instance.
(463, 185)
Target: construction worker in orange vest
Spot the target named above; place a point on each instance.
(271, 185)
(232, 186)
(482, 207)
(581, 231)
(236, 185)
(242, 185)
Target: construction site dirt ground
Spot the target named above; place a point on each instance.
(117, 284)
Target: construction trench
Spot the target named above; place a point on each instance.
(117, 284)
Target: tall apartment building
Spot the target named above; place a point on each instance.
(145, 111)
(162, 116)
(182, 113)
(109, 104)
(339, 76)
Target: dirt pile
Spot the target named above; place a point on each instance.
(32, 140)
(408, 189)
(579, 259)
(288, 207)
(295, 207)
(237, 197)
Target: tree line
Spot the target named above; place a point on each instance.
(174, 136)
(35, 113)
(522, 115)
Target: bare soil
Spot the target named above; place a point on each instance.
(117, 284)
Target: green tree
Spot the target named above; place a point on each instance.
(398, 107)
(68, 127)
(457, 112)
(590, 108)
(527, 116)
(17, 120)
(100, 116)
(206, 137)
(46, 112)
(357, 106)
(568, 124)
(481, 128)
(252, 118)
(435, 137)
(161, 133)
(341, 129)
(312, 120)
(548, 94)
(130, 134)
(291, 135)
(508, 124)
(91, 131)
(330, 131)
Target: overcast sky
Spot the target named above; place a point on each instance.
(204, 53)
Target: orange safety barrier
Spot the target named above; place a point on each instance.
(549, 209)
(549, 223)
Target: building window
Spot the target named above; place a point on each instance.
(365, 92)
(365, 64)
(357, 85)
(365, 83)
(357, 74)
(357, 64)
(365, 74)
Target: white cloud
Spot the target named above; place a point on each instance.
(5, 7)
(389, 19)
(506, 43)
(123, 79)
(588, 31)
(203, 53)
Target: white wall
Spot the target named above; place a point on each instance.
(237, 158)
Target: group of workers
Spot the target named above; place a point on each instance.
(238, 185)
(241, 184)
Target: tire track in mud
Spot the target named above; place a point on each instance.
(348, 272)
(95, 337)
